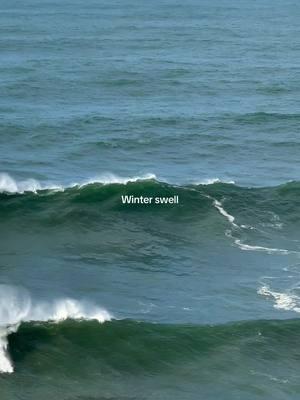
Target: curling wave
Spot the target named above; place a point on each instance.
(17, 307)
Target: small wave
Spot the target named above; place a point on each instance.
(16, 306)
(264, 117)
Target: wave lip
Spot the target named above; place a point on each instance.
(16, 307)
(12, 186)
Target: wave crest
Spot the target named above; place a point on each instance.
(12, 186)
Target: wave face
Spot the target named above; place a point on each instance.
(152, 347)
(138, 353)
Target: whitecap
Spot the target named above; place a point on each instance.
(12, 186)
(212, 181)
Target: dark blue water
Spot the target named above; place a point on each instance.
(196, 99)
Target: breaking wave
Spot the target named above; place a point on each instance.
(17, 307)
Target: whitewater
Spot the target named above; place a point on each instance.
(17, 306)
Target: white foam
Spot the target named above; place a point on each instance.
(223, 212)
(211, 181)
(10, 185)
(243, 246)
(107, 179)
(270, 250)
(283, 301)
(16, 306)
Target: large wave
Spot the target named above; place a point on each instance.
(63, 325)
(130, 347)
(263, 212)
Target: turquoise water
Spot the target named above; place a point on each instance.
(104, 300)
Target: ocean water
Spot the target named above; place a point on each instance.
(101, 300)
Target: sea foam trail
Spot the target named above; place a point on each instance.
(222, 211)
(243, 246)
(16, 306)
